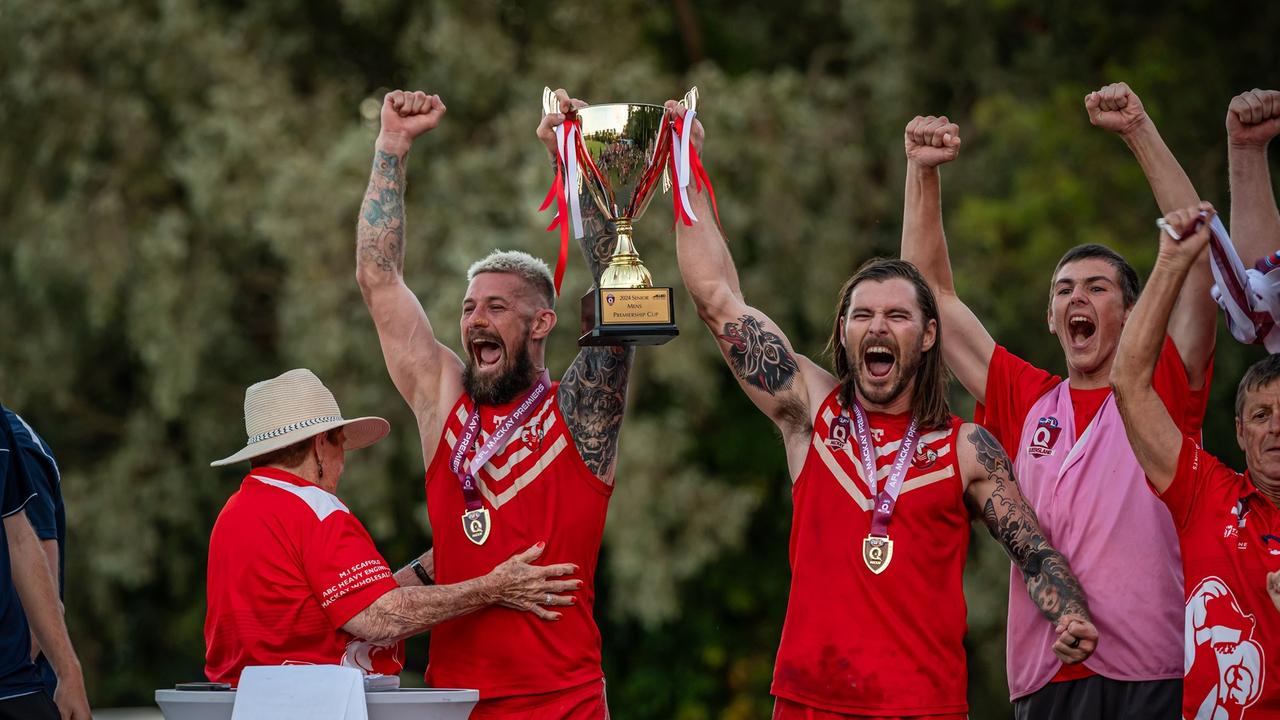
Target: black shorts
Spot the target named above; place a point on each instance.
(36, 706)
(1100, 698)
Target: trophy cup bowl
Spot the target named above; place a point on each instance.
(623, 157)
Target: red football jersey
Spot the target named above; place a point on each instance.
(288, 566)
(1229, 534)
(860, 643)
(537, 489)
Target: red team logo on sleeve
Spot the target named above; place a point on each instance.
(1224, 664)
(1044, 437)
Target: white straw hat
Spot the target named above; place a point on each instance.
(293, 407)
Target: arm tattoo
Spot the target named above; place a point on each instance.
(1013, 523)
(593, 392)
(593, 396)
(380, 232)
(598, 238)
(758, 357)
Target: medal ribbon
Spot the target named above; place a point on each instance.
(496, 442)
(564, 192)
(882, 511)
(685, 165)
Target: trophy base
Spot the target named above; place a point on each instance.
(628, 316)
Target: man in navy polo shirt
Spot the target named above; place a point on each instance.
(25, 582)
(46, 514)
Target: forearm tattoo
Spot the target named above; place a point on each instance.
(598, 239)
(593, 392)
(1012, 522)
(380, 232)
(758, 357)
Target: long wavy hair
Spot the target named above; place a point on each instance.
(929, 404)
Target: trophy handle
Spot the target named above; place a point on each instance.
(549, 104)
(691, 98)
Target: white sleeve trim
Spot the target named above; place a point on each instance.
(20, 507)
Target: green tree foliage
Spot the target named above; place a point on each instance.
(179, 183)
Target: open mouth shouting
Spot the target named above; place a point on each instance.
(486, 351)
(878, 360)
(1080, 329)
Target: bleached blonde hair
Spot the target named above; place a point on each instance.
(531, 269)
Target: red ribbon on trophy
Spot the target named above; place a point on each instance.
(564, 191)
(685, 166)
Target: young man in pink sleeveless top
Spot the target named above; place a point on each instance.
(884, 483)
(1228, 524)
(1065, 439)
(512, 458)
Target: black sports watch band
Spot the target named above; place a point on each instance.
(421, 572)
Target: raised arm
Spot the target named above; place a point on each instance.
(1253, 118)
(930, 142)
(426, 373)
(1152, 433)
(992, 494)
(784, 385)
(516, 584)
(1193, 326)
(593, 391)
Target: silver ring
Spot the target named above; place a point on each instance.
(547, 601)
(1075, 642)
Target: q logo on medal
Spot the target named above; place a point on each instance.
(475, 523)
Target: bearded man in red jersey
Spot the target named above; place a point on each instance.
(885, 481)
(512, 458)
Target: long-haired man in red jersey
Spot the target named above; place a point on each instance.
(885, 481)
(512, 458)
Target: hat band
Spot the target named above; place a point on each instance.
(293, 426)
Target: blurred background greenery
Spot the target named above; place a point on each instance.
(179, 182)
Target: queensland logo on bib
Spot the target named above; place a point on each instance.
(1044, 437)
(838, 435)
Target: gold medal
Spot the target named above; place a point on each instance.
(475, 523)
(877, 551)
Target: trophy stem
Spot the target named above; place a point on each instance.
(625, 269)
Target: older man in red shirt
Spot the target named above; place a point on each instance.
(1228, 523)
(294, 577)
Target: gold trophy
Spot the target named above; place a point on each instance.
(622, 159)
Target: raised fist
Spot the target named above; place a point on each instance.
(931, 141)
(406, 115)
(699, 135)
(1253, 118)
(547, 128)
(1185, 232)
(1115, 107)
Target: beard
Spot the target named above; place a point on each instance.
(907, 367)
(505, 385)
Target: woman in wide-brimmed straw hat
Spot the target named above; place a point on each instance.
(295, 578)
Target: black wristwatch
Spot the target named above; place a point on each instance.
(421, 572)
